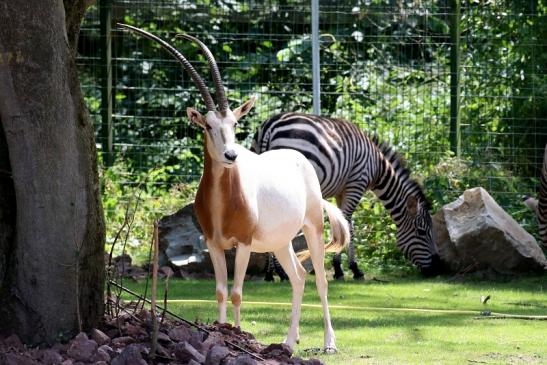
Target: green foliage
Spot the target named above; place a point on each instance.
(375, 239)
(134, 201)
(384, 66)
(504, 81)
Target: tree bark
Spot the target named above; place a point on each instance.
(56, 264)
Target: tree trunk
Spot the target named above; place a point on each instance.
(51, 257)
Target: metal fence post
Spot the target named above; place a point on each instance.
(105, 15)
(316, 84)
(455, 133)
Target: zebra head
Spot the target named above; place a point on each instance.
(416, 237)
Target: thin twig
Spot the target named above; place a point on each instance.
(127, 222)
(464, 271)
(200, 328)
(165, 294)
(524, 304)
(514, 316)
(154, 292)
(122, 308)
(158, 356)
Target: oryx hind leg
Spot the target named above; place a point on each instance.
(316, 247)
(297, 274)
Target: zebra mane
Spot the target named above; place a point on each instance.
(403, 172)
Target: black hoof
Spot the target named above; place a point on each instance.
(357, 274)
(338, 274)
(336, 263)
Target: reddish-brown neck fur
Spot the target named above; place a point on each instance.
(236, 220)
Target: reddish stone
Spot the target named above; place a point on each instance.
(134, 331)
(123, 341)
(101, 355)
(185, 352)
(242, 360)
(216, 354)
(14, 342)
(99, 336)
(51, 357)
(16, 359)
(81, 348)
(163, 337)
(180, 333)
(131, 355)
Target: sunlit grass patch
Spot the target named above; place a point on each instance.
(404, 321)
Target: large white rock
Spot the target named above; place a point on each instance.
(475, 232)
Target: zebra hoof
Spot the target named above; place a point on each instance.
(339, 276)
(268, 277)
(357, 274)
(330, 350)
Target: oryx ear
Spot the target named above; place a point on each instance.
(412, 205)
(196, 117)
(244, 108)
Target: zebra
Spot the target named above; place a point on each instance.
(348, 163)
(539, 206)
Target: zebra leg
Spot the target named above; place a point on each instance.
(279, 269)
(269, 269)
(348, 202)
(357, 273)
(337, 265)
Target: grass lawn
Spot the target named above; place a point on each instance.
(385, 322)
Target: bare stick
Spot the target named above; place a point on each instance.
(153, 292)
(168, 275)
(514, 316)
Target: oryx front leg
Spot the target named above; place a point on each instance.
(297, 275)
(243, 253)
(218, 259)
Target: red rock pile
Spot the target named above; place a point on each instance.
(125, 339)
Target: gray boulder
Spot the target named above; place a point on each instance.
(180, 239)
(475, 233)
(182, 245)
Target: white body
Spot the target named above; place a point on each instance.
(283, 185)
(282, 196)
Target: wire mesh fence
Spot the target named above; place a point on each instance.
(384, 65)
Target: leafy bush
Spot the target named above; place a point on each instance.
(133, 201)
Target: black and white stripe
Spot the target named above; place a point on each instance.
(348, 163)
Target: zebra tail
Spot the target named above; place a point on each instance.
(339, 227)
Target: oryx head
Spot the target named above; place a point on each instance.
(219, 124)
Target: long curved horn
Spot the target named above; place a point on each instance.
(221, 97)
(205, 94)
